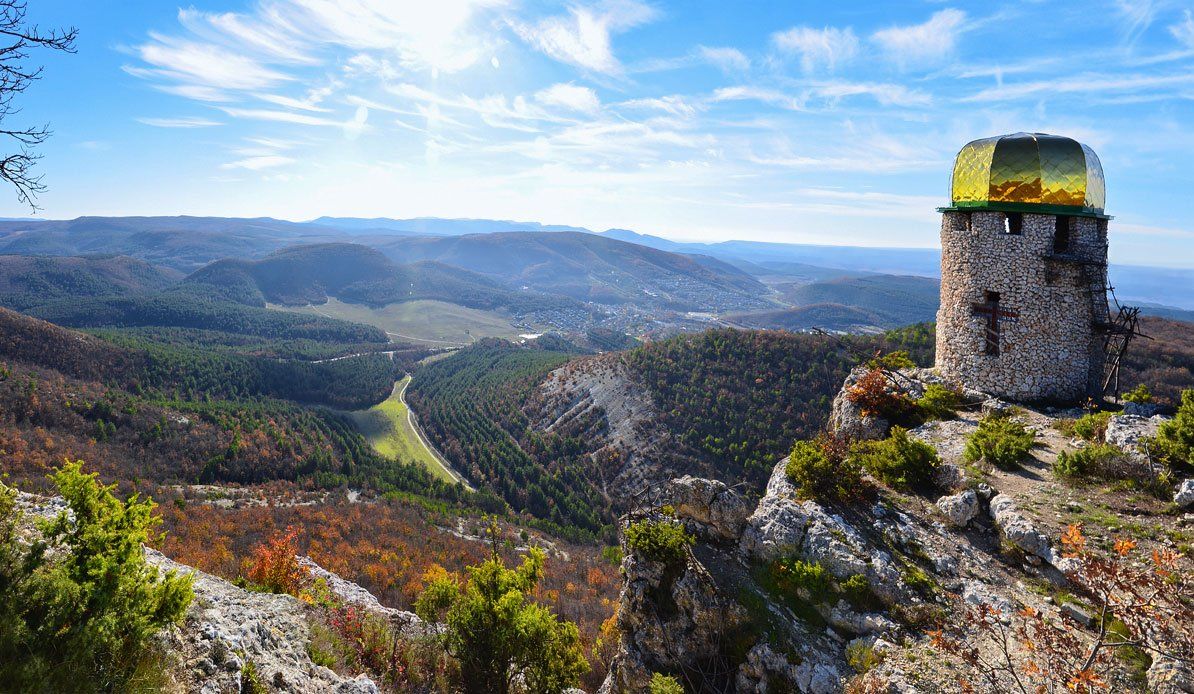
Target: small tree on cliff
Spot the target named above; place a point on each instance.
(504, 642)
(78, 608)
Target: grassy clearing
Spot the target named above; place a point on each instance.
(435, 323)
(387, 427)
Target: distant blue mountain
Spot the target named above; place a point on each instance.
(435, 226)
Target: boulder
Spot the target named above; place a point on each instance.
(1018, 530)
(1142, 409)
(709, 507)
(959, 509)
(1184, 497)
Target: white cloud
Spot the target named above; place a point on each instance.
(1089, 83)
(724, 58)
(921, 45)
(1137, 16)
(767, 96)
(569, 96)
(826, 47)
(582, 37)
(673, 104)
(1183, 31)
(204, 65)
(885, 94)
(259, 162)
(187, 122)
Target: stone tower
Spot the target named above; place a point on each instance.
(1024, 310)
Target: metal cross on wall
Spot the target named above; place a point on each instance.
(990, 309)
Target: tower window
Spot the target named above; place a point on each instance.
(1013, 223)
(1061, 235)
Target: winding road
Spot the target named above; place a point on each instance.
(413, 424)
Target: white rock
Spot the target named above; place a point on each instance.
(959, 509)
(1185, 494)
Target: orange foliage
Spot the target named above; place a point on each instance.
(275, 566)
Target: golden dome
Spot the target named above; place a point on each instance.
(1029, 172)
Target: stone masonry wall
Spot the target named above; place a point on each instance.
(1052, 350)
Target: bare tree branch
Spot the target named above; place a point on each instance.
(15, 78)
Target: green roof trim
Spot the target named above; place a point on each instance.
(1025, 208)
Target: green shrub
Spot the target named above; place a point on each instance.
(999, 441)
(862, 657)
(1092, 426)
(1139, 394)
(250, 680)
(857, 591)
(664, 684)
(939, 402)
(794, 575)
(821, 470)
(1175, 438)
(1100, 460)
(658, 540)
(84, 613)
(898, 461)
(492, 627)
(892, 361)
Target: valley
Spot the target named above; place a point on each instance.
(437, 324)
(390, 429)
(380, 396)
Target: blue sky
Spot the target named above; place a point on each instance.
(830, 123)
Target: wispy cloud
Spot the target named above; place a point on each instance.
(582, 37)
(817, 48)
(724, 58)
(921, 45)
(187, 122)
(258, 163)
(1183, 31)
(1090, 84)
(570, 96)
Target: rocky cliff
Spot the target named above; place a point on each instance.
(896, 566)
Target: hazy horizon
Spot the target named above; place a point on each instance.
(821, 125)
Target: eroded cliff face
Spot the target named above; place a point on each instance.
(598, 401)
(718, 621)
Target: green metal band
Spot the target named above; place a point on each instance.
(1026, 207)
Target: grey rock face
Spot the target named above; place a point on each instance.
(781, 526)
(1169, 676)
(959, 509)
(671, 616)
(1128, 430)
(709, 507)
(227, 626)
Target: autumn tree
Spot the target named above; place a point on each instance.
(19, 39)
(1140, 603)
